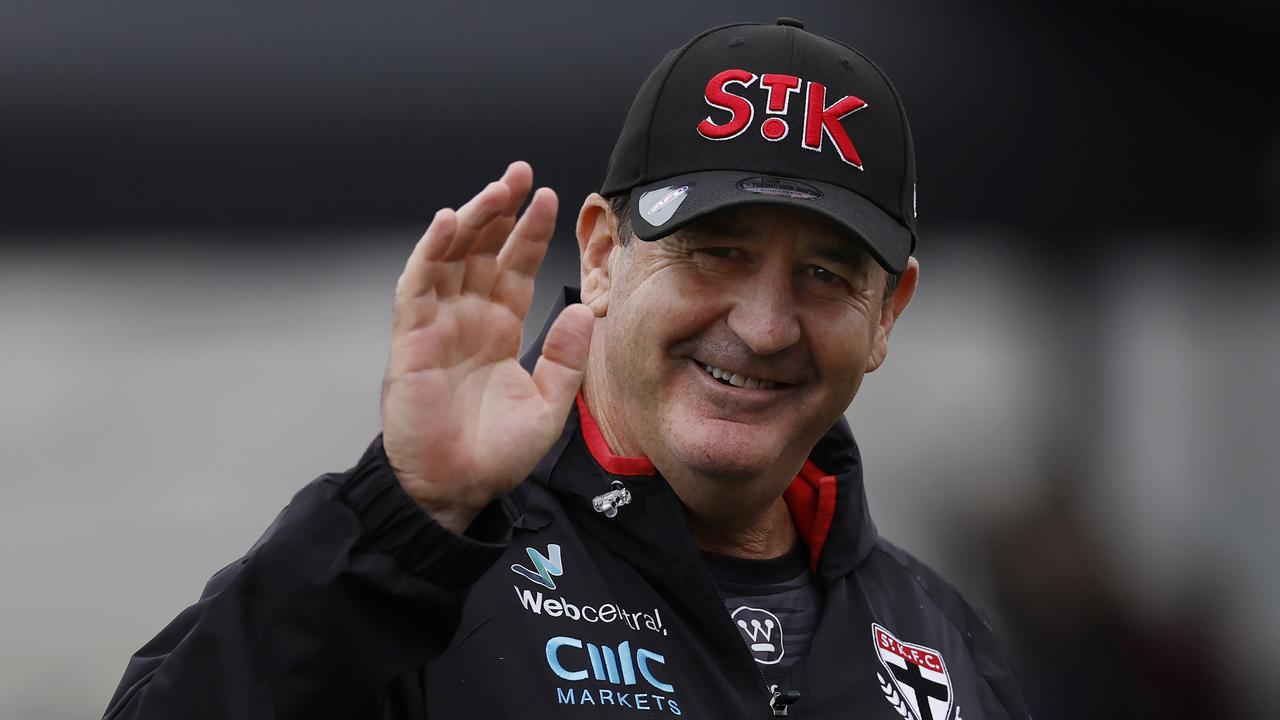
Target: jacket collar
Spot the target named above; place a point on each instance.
(827, 499)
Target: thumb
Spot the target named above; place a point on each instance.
(559, 371)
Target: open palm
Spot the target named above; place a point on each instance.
(462, 421)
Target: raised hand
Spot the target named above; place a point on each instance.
(462, 421)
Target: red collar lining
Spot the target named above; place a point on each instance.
(811, 496)
(812, 501)
(613, 464)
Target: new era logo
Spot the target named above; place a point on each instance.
(545, 566)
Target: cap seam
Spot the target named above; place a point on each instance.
(791, 65)
(662, 89)
(906, 131)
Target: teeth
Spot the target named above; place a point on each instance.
(738, 379)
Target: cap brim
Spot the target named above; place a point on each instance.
(660, 208)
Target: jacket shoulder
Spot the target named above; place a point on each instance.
(970, 623)
(958, 611)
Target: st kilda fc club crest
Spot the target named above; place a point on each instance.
(915, 679)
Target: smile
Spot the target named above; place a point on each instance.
(738, 379)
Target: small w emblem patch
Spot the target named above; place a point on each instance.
(762, 631)
(544, 566)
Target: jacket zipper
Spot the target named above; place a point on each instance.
(780, 702)
(608, 503)
(771, 692)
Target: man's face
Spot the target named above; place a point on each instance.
(781, 305)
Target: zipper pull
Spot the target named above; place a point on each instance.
(609, 502)
(781, 700)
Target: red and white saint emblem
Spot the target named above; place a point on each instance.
(915, 682)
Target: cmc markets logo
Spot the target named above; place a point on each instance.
(622, 668)
(544, 566)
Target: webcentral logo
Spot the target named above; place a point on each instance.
(544, 566)
(534, 602)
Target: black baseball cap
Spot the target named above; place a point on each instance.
(751, 114)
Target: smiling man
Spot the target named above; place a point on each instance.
(725, 350)
(660, 509)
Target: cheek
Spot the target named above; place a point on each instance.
(666, 308)
(841, 343)
(641, 330)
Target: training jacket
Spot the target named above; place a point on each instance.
(356, 604)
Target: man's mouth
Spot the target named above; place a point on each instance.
(738, 379)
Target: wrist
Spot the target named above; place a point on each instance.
(423, 544)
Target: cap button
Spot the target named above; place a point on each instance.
(790, 22)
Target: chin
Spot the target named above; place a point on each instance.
(716, 447)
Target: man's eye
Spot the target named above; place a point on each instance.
(824, 275)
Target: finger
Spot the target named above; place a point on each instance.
(519, 180)
(515, 292)
(520, 257)
(527, 245)
(417, 278)
(559, 371)
(472, 218)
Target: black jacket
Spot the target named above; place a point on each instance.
(355, 604)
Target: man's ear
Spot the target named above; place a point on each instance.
(890, 310)
(597, 237)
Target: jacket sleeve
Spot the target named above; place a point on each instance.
(351, 587)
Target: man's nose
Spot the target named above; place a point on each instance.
(764, 311)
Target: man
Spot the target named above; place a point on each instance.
(660, 511)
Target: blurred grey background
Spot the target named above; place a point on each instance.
(204, 207)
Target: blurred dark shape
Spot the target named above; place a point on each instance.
(1058, 118)
(1081, 647)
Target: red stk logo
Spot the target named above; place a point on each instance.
(820, 119)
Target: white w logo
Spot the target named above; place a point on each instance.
(762, 631)
(756, 629)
